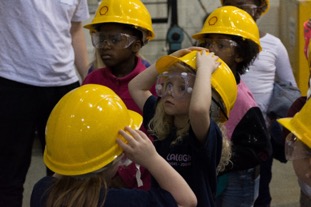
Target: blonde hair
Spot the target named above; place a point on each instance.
(161, 125)
(226, 152)
(82, 190)
(76, 192)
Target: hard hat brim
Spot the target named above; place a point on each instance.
(294, 127)
(165, 62)
(136, 119)
(286, 123)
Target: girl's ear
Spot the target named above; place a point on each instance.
(136, 46)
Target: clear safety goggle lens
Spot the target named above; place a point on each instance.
(119, 40)
(177, 84)
(296, 149)
(217, 44)
(249, 8)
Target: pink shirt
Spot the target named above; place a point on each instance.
(119, 85)
(243, 103)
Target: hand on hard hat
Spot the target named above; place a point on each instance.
(137, 147)
(223, 80)
(82, 129)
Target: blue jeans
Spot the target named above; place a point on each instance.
(241, 190)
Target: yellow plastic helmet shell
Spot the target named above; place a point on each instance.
(300, 124)
(264, 4)
(230, 20)
(82, 129)
(309, 55)
(222, 80)
(131, 12)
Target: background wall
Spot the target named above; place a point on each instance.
(190, 18)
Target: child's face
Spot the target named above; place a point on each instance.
(114, 44)
(175, 88)
(223, 46)
(176, 107)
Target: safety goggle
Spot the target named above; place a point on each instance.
(119, 40)
(249, 8)
(217, 44)
(296, 149)
(177, 84)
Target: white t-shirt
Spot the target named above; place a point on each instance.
(35, 43)
(271, 64)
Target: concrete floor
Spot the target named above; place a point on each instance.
(284, 187)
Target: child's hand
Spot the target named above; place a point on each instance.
(207, 61)
(139, 148)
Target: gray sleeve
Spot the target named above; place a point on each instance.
(284, 72)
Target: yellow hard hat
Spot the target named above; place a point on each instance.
(223, 80)
(264, 5)
(82, 129)
(300, 124)
(230, 20)
(131, 12)
(309, 55)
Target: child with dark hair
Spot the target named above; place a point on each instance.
(272, 65)
(119, 30)
(232, 34)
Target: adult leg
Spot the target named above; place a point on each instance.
(17, 109)
(264, 198)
